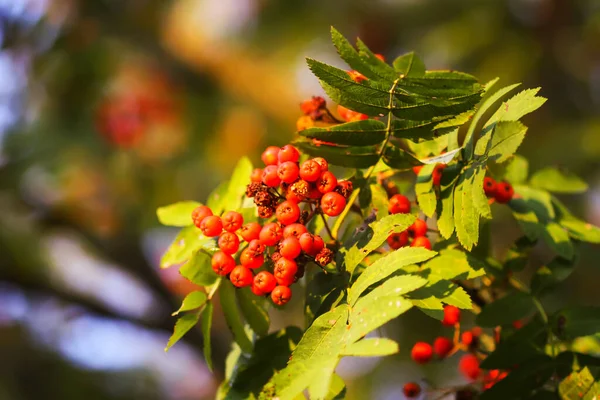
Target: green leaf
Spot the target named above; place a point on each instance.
(466, 218)
(217, 197)
(337, 389)
(370, 312)
(539, 201)
(398, 285)
(577, 385)
(513, 306)
(549, 275)
(517, 170)
(518, 106)
(526, 218)
(415, 130)
(372, 347)
(379, 201)
(237, 185)
(386, 266)
(557, 181)
(506, 139)
(254, 310)
(446, 212)
(186, 243)
(349, 157)
(525, 344)
(438, 291)
(178, 214)
(357, 133)
(314, 359)
(455, 264)
(581, 230)
(192, 301)
(322, 291)
(233, 317)
(399, 159)
(198, 269)
(424, 190)
(410, 65)
(385, 71)
(206, 324)
(480, 200)
(182, 326)
(558, 239)
(368, 238)
(575, 322)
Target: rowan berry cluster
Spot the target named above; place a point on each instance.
(416, 234)
(278, 251)
(444, 347)
(501, 192)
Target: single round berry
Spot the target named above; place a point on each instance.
(504, 192)
(232, 221)
(256, 290)
(397, 240)
(442, 346)
(437, 174)
(290, 248)
(250, 231)
(270, 177)
(421, 352)
(256, 175)
(295, 230)
(250, 260)
(318, 245)
(287, 212)
(287, 171)
(229, 242)
(291, 195)
(411, 390)
(469, 366)
(307, 242)
(211, 226)
(333, 204)
(270, 234)
(200, 213)
(256, 248)
(418, 228)
(270, 155)
(281, 295)
(222, 263)
(489, 186)
(421, 241)
(310, 170)
(399, 204)
(417, 169)
(241, 276)
(326, 182)
(288, 153)
(451, 315)
(265, 281)
(285, 271)
(468, 339)
(322, 163)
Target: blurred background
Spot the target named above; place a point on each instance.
(109, 109)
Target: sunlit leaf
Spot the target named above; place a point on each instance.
(178, 214)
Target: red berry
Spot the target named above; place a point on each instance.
(281, 295)
(318, 245)
(232, 221)
(256, 248)
(307, 242)
(418, 228)
(467, 338)
(451, 316)
(518, 324)
(293, 196)
(492, 377)
(256, 176)
(270, 177)
(380, 56)
(270, 155)
(199, 214)
(295, 230)
(287, 212)
(288, 171)
(349, 115)
(288, 153)
(333, 204)
(265, 281)
(421, 352)
(421, 241)
(326, 182)
(399, 204)
(256, 290)
(442, 346)
(285, 271)
(469, 366)
(270, 234)
(322, 163)
(504, 192)
(222, 263)
(250, 231)
(248, 259)
(417, 169)
(489, 186)
(241, 276)
(211, 226)
(397, 240)
(437, 174)
(290, 248)
(411, 390)
(310, 170)
(229, 242)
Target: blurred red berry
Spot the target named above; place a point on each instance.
(504, 192)
(270, 176)
(270, 155)
(256, 175)
(199, 214)
(469, 367)
(421, 241)
(288, 153)
(411, 390)
(397, 240)
(442, 346)
(489, 186)
(211, 226)
(451, 315)
(287, 171)
(418, 228)
(399, 204)
(421, 352)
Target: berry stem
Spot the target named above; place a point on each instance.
(332, 117)
(214, 289)
(326, 224)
